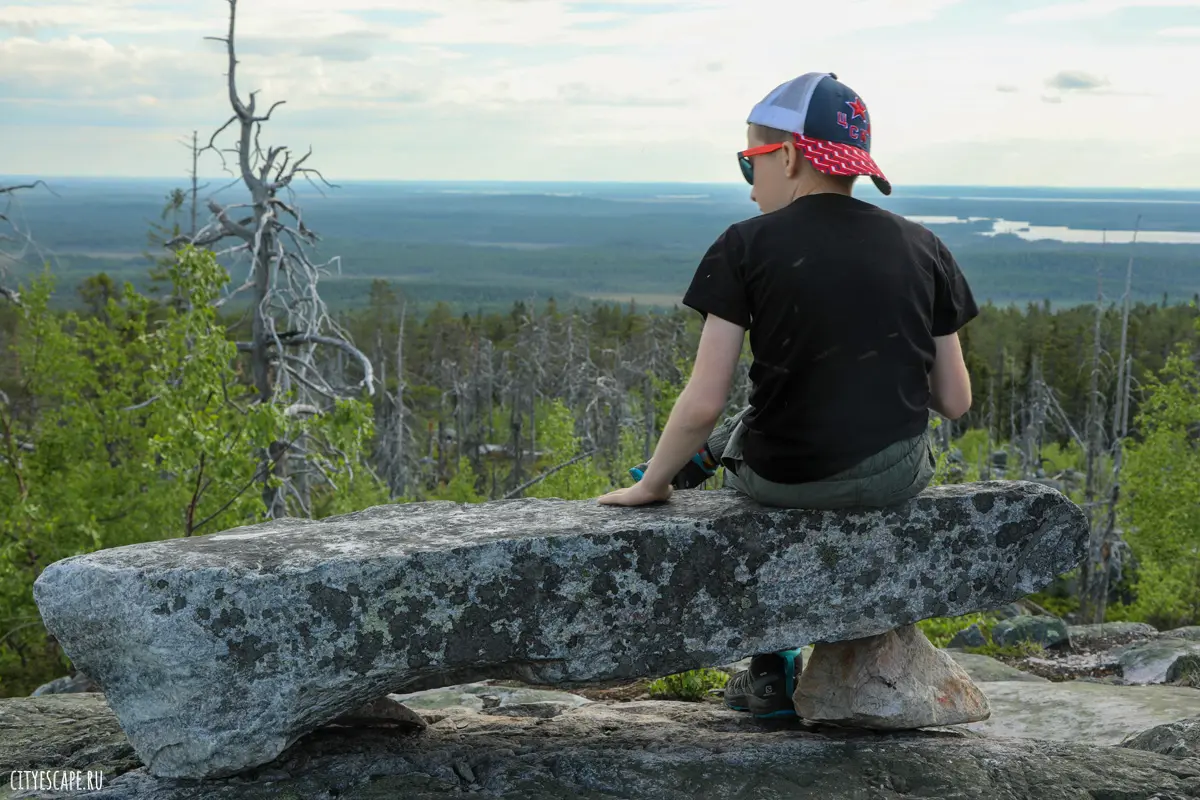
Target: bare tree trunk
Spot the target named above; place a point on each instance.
(515, 422)
(1089, 574)
(195, 179)
(1012, 405)
(1109, 540)
(985, 472)
(401, 451)
(1119, 406)
(7, 292)
(648, 434)
(1036, 404)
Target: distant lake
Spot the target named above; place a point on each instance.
(1062, 233)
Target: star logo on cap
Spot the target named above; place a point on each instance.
(858, 107)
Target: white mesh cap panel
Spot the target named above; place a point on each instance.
(786, 107)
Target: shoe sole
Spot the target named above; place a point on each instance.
(782, 713)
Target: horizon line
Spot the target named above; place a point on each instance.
(184, 180)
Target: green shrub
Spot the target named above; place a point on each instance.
(1158, 508)
(692, 686)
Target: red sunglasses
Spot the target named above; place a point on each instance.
(747, 165)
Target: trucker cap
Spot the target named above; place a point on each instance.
(829, 121)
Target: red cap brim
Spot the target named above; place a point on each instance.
(833, 158)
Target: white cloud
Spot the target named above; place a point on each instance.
(1074, 80)
(551, 89)
(1093, 9)
(1181, 32)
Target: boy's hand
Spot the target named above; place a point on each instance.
(639, 494)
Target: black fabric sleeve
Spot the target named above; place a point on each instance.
(719, 286)
(953, 304)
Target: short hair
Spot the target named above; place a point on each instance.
(768, 135)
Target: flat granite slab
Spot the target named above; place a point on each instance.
(218, 652)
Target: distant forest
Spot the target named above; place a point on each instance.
(486, 251)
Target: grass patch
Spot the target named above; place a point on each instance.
(692, 686)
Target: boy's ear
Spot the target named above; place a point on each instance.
(795, 160)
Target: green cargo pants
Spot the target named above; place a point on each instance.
(897, 473)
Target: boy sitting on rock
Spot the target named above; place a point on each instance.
(853, 314)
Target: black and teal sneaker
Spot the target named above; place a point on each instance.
(702, 467)
(765, 690)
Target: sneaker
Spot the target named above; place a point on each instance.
(694, 473)
(765, 690)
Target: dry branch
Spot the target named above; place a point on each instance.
(267, 235)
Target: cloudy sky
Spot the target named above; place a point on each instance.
(1051, 93)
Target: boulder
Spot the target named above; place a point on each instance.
(970, 636)
(303, 620)
(1186, 670)
(1046, 631)
(1179, 739)
(67, 685)
(1107, 634)
(1151, 662)
(1010, 610)
(1191, 632)
(661, 750)
(895, 681)
(983, 669)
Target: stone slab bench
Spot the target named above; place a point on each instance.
(218, 652)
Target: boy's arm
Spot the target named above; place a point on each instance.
(953, 307)
(949, 381)
(695, 412)
(701, 402)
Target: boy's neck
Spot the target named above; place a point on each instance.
(820, 187)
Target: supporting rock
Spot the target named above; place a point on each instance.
(896, 681)
(218, 652)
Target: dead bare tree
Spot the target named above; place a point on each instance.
(19, 236)
(289, 320)
(1111, 548)
(1094, 431)
(1037, 407)
(392, 432)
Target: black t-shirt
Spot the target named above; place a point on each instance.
(842, 300)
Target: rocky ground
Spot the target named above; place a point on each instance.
(1107, 712)
(1118, 653)
(548, 750)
